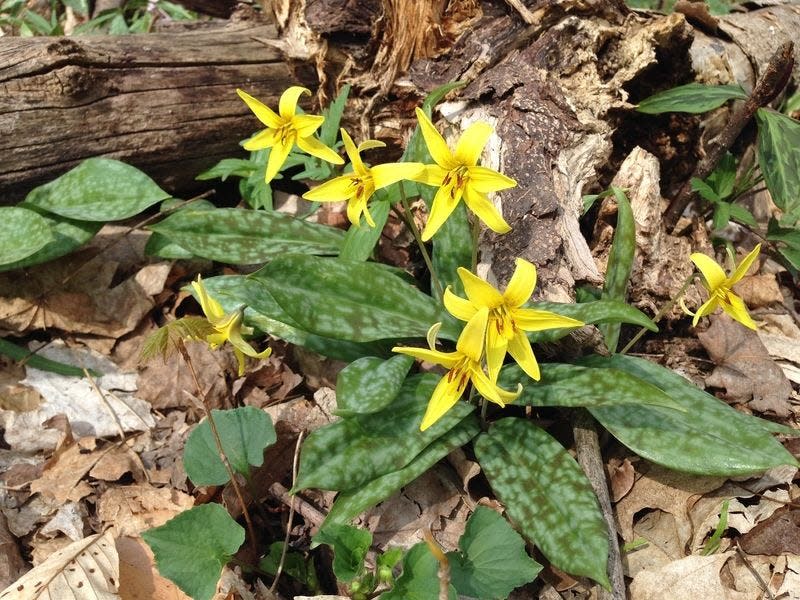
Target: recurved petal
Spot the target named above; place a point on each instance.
(430, 175)
(288, 103)
(264, 114)
(370, 145)
(470, 145)
(522, 284)
(447, 359)
(314, 147)
(496, 347)
(263, 139)
(479, 292)
(457, 306)
(389, 173)
(438, 148)
(736, 308)
(485, 387)
(445, 395)
(355, 207)
(744, 266)
(485, 180)
(531, 319)
(306, 125)
(706, 309)
(242, 346)
(368, 215)
(444, 203)
(471, 341)
(335, 190)
(277, 156)
(485, 210)
(352, 152)
(713, 274)
(211, 308)
(520, 350)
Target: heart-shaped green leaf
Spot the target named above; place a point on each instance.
(22, 233)
(420, 578)
(369, 384)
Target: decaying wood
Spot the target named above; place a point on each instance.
(166, 103)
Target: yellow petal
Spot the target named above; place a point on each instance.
(485, 180)
(522, 284)
(485, 210)
(431, 175)
(355, 207)
(471, 341)
(438, 148)
(485, 386)
(211, 308)
(447, 359)
(264, 114)
(520, 350)
(444, 203)
(314, 147)
(238, 342)
(744, 266)
(445, 395)
(470, 145)
(368, 215)
(239, 361)
(370, 145)
(736, 308)
(389, 173)
(288, 103)
(263, 139)
(531, 319)
(277, 156)
(706, 309)
(457, 306)
(335, 190)
(352, 153)
(306, 125)
(496, 347)
(479, 292)
(713, 274)
(433, 333)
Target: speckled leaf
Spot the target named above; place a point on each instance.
(546, 495)
(359, 241)
(163, 247)
(98, 189)
(597, 311)
(691, 98)
(22, 232)
(242, 237)
(351, 503)
(779, 158)
(709, 438)
(353, 301)
(244, 432)
(452, 248)
(351, 452)
(420, 577)
(370, 384)
(571, 385)
(620, 261)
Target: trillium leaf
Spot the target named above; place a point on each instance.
(98, 189)
(244, 432)
(708, 438)
(359, 241)
(546, 495)
(691, 98)
(246, 236)
(351, 503)
(597, 311)
(22, 233)
(369, 384)
(192, 548)
(779, 158)
(420, 577)
(349, 453)
(350, 546)
(492, 560)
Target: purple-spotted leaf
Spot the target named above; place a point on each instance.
(369, 384)
(546, 495)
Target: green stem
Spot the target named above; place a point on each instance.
(415, 231)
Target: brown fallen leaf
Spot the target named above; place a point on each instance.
(12, 566)
(116, 462)
(621, 474)
(139, 579)
(759, 290)
(62, 476)
(778, 534)
(695, 577)
(132, 509)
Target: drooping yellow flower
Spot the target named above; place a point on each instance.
(286, 129)
(507, 321)
(357, 187)
(464, 366)
(227, 327)
(719, 288)
(457, 175)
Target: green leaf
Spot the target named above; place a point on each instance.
(705, 190)
(161, 246)
(349, 453)
(192, 548)
(166, 340)
(741, 214)
(229, 167)
(359, 241)
(353, 301)
(722, 214)
(574, 386)
(546, 495)
(691, 98)
(98, 189)
(351, 503)
(416, 150)
(22, 233)
(329, 131)
(598, 311)
(708, 438)
(420, 578)
(723, 177)
(244, 432)
(246, 236)
(33, 360)
(620, 262)
(370, 384)
(452, 248)
(492, 560)
(779, 158)
(350, 546)
(294, 565)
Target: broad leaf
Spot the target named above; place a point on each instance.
(546, 495)
(369, 384)
(452, 248)
(420, 578)
(779, 158)
(597, 311)
(244, 432)
(492, 560)
(691, 98)
(98, 189)
(240, 236)
(163, 247)
(350, 546)
(22, 232)
(192, 548)
(359, 241)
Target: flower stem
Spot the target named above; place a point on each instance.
(415, 231)
(661, 312)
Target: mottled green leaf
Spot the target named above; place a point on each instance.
(788, 243)
(420, 578)
(240, 236)
(350, 546)
(353, 301)
(163, 247)
(779, 158)
(244, 432)
(546, 495)
(22, 232)
(351, 503)
(691, 98)
(709, 438)
(98, 189)
(620, 261)
(452, 248)
(359, 241)
(369, 384)
(492, 560)
(598, 311)
(191, 548)
(351, 452)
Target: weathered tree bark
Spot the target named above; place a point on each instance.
(166, 103)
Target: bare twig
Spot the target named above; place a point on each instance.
(755, 573)
(307, 510)
(291, 516)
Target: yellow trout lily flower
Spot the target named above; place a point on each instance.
(227, 327)
(719, 288)
(357, 187)
(464, 366)
(285, 130)
(457, 175)
(507, 321)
